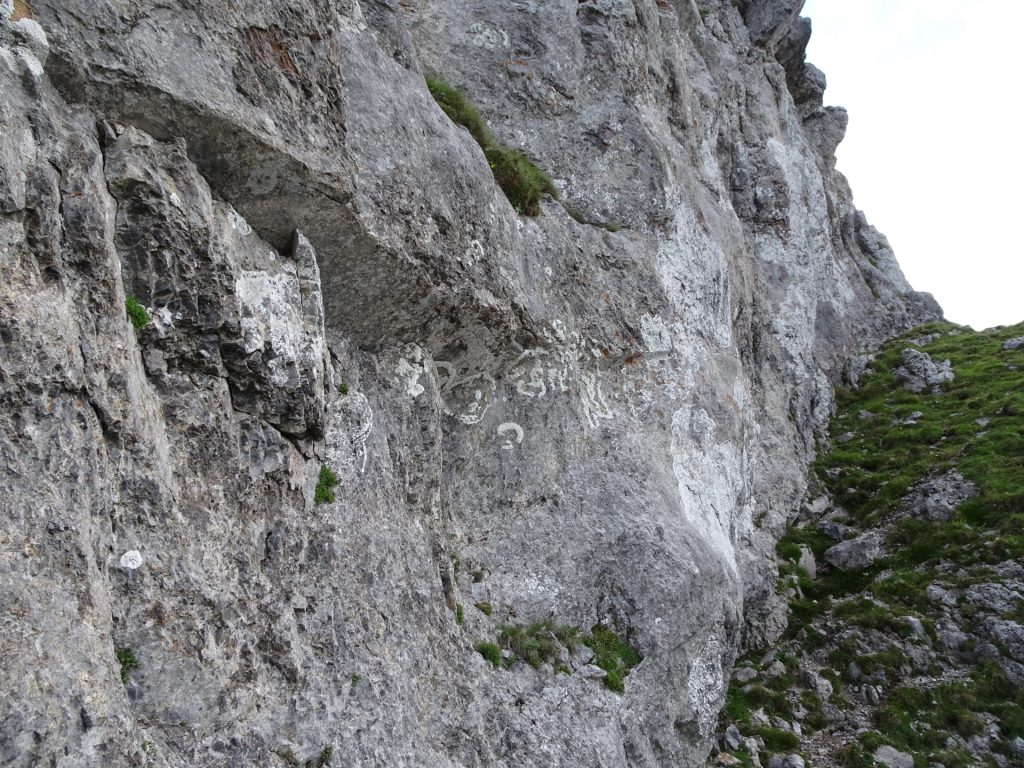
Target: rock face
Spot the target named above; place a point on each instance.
(919, 372)
(549, 419)
(855, 554)
(936, 498)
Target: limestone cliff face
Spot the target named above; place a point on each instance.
(543, 417)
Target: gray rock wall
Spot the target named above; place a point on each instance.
(560, 420)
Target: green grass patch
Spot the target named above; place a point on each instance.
(951, 708)
(137, 313)
(523, 183)
(612, 654)
(128, 661)
(974, 425)
(777, 740)
(539, 642)
(742, 700)
(459, 110)
(544, 641)
(324, 492)
(872, 473)
(489, 651)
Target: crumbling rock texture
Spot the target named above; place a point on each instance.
(553, 418)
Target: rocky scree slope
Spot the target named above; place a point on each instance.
(904, 574)
(365, 418)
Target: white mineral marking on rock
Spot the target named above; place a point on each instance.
(510, 426)
(706, 684)
(531, 377)
(594, 405)
(484, 36)
(410, 374)
(238, 223)
(455, 390)
(131, 559)
(655, 333)
(475, 251)
(362, 433)
(269, 317)
(476, 409)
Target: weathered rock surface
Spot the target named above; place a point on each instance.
(857, 553)
(556, 419)
(936, 498)
(893, 758)
(919, 372)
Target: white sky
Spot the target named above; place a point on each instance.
(935, 91)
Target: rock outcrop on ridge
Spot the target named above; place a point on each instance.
(527, 418)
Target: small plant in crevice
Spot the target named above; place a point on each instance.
(137, 313)
(320, 761)
(485, 607)
(288, 756)
(128, 661)
(544, 642)
(460, 615)
(324, 493)
(523, 183)
(539, 642)
(490, 651)
(581, 217)
(612, 654)
(459, 110)
(343, 388)
(323, 759)
(576, 213)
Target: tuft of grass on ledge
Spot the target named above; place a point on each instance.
(324, 493)
(128, 661)
(612, 654)
(523, 183)
(137, 313)
(543, 641)
(459, 110)
(491, 652)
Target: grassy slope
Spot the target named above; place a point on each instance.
(868, 475)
